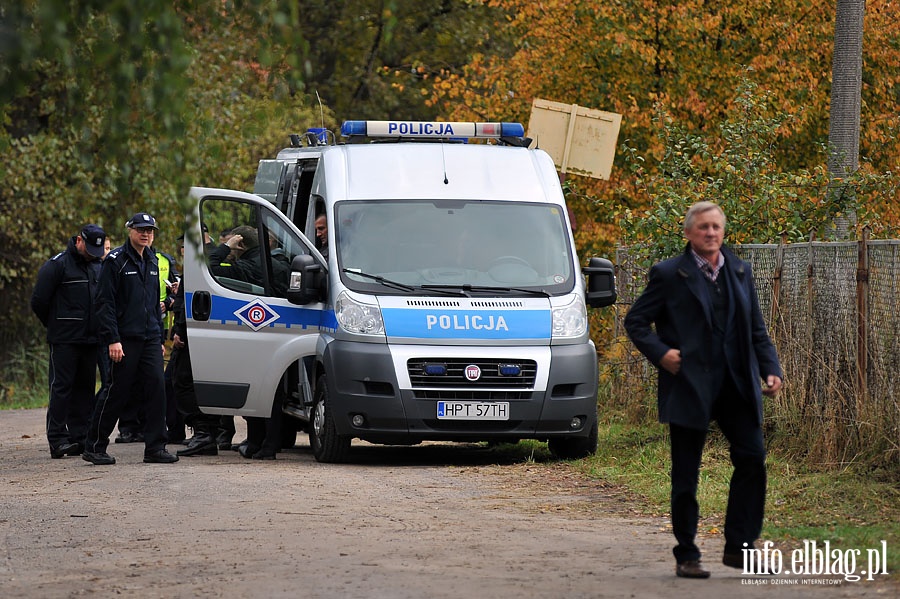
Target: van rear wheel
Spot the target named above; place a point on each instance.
(327, 445)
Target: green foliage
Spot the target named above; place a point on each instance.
(111, 108)
(851, 509)
(738, 170)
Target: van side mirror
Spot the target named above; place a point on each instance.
(307, 282)
(601, 283)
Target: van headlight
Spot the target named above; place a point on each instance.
(571, 320)
(357, 317)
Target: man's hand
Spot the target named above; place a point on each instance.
(671, 361)
(177, 342)
(116, 353)
(773, 384)
(235, 241)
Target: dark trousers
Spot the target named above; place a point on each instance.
(104, 365)
(265, 433)
(174, 418)
(747, 491)
(186, 399)
(141, 372)
(73, 376)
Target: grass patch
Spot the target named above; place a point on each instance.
(23, 380)
(848, 508)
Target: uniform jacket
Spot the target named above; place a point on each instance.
(676, 300)
(64, 297)
(128, 296)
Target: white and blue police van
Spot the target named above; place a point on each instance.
(445, 301)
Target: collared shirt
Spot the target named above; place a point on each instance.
(708, 269)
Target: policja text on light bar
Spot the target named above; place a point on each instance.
(431, 129)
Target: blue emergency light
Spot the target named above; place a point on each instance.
(431, 129)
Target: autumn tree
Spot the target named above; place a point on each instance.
(690, 56)
(374, 59)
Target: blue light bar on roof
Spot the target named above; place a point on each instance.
(431, 129)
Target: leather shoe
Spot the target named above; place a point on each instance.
(264, 454)
(733, 560)
(223, 440)
(128, 437)
(691, 569)
(246, 450)
(62, 450)
(98, 459)
(200, 446)
(77, 449)
(160, 456)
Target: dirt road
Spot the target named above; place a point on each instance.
(428, 521)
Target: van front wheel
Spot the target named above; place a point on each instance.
(327, 445)
(574, 448)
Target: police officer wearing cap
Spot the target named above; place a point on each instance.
(131, 325)
(63, 300)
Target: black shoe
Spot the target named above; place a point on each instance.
(691, 569)
(733, 560)
(264, 454)
(78, 449)
(200, 446)
(223, 440)
(246, 450)
(63, 450)
(129, 437)
(98, 459)
(160, 456)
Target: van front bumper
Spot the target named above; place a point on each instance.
(363, 382)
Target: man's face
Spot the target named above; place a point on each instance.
(707, 232)
(322, 230)
(141, 238)
(82, 249)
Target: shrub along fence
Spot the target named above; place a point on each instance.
(833, 310)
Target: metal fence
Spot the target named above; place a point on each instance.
(833, 310)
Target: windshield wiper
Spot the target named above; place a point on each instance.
(380, 279)
(465, 288)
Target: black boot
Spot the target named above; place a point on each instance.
(202, 444)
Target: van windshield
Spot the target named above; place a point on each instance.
(470, 244)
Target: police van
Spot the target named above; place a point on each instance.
(442, 298)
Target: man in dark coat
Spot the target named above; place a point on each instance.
(132, 328)
(63, 300)
(713, 354)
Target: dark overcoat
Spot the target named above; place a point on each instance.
(675, 312)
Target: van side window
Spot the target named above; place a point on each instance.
(255, 256)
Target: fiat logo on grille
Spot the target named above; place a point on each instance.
(473, 372)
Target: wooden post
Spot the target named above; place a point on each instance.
(776, 285)
(862, 321)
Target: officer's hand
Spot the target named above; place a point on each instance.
(671, 361)
(115, 352)
(773, 384)
(176, 341)
(175, 287)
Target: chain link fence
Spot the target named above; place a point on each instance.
(833, 310)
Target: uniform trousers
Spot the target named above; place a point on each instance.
(186, 399)
(736, 418)
(73, 376)
(140, 371)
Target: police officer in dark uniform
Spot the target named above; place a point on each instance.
(131, 325)
(63, 300)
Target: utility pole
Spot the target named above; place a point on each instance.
(846, 101)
